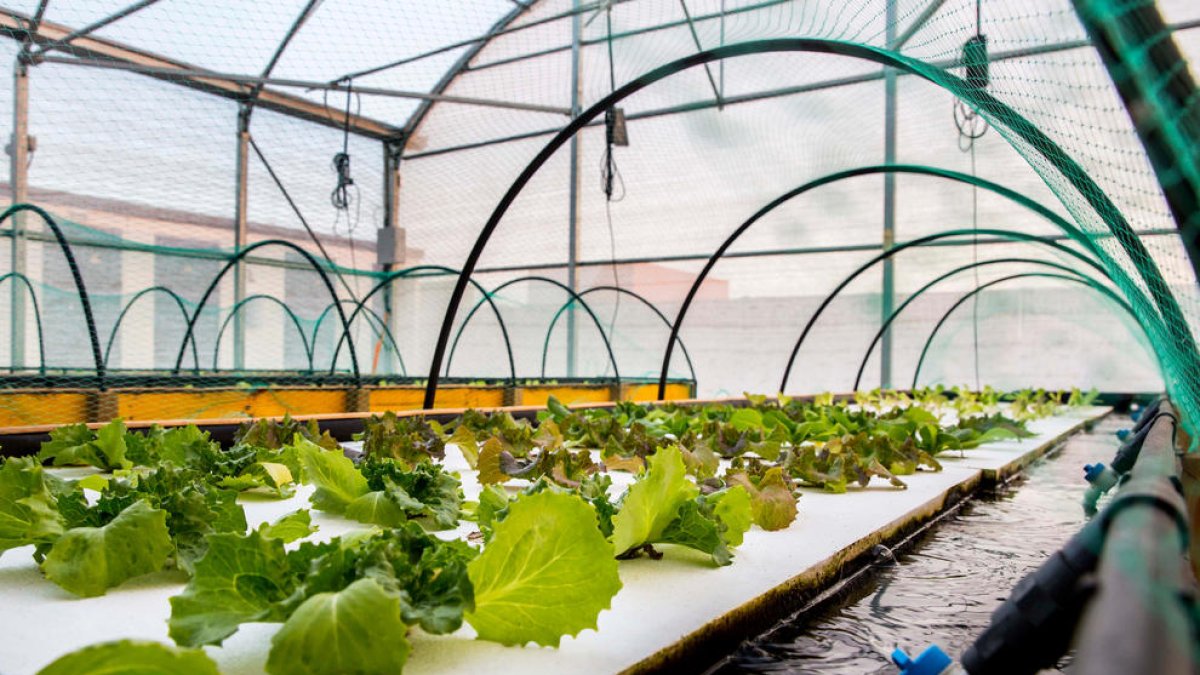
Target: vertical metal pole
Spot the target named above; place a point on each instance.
(573, 198)
(888, 293)
(391, 209)
(19, 179)
(241, 236)
(721, 89)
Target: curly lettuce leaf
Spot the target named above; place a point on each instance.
(76, 444)
(713, 524)
(132, 657)
(428, 574)
(271, 477)
(355, 630)
(425, 493)
(88, 561)
(28, 509)
(410, 440)
(239, 579)
(772, 504)
(695, 529)
(273, 434)
(547, 572)
(195, 508)
(653, 501)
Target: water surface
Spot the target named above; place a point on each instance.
(944, 590)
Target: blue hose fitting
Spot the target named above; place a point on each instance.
(1122, 434)
(1100, 480)
(932, 661)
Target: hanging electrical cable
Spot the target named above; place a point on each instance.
(341, 161)
(615, 134)
(341, 197)
(971, 127)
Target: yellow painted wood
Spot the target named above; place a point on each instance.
(274, 402)
(28, 408)
(538, 396)
(649, 392)
(226, 403)
(177, 405)
(23, 408)
(412, 398)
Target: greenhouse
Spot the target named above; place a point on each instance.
(599, 336)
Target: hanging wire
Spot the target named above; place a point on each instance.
(341, 197)
(610, 175)
(971, 127)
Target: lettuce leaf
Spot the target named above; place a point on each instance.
(375, 508)
(547, 572)
(772, 504)
(425, 493)
(410, 440)
(76, 444)
(132, 657)
(355, 630)
(195, 508)
(28, 510)
(271, 434)
(88, 561)
(653, 501)
(712, 523)
(337, 480)
(292, 527)
(239, 579)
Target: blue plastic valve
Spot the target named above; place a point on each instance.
(1135, 414)
(1122, 434)
(930, 662)
(1092, 471)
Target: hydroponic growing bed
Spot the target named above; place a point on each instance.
(484, 543)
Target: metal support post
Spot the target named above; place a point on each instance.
(888, 292)
(19, 180)
(241, 236)
(391, 209)
(573, 198)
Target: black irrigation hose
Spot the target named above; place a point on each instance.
(921, 241)
(237, 307)
(237, 257)
(37, 318)
(400, 274)
(625, 291)
(79, 285)
(371, 314)
(575, 297)
(921, 291)
(129, 305)
(1086, 282)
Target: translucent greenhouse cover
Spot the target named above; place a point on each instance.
(141, 167)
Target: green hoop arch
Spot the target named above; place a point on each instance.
(1086, 282)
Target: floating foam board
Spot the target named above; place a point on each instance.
(668, 612)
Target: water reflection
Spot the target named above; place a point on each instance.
(943, 591)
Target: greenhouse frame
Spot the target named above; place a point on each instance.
(306, 237)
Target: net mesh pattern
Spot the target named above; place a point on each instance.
(134, 153)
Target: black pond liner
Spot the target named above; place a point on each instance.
(941, 585)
